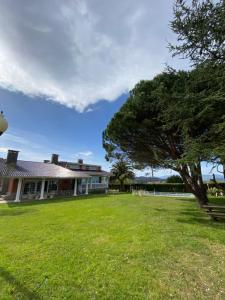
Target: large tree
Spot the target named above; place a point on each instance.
(200, 29)
(173, 121)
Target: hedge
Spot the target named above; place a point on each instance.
(157, 187)
(164, 187)
(99, 191)
(220, 185)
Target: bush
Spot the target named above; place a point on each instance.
(174, 179)
(99, 191)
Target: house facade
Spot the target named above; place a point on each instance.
(25, 180)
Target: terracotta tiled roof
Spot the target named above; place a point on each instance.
(37, 169)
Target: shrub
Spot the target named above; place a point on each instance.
(174, 179)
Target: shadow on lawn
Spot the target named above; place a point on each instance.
(197, 216)
(19, 291)
(55, 200)
(206, 222)
(18, 212)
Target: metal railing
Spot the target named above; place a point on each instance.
(95, 186)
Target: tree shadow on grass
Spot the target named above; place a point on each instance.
(161, 210)
(192, 200)
(203, 222)
(217, 200)
(17, 212)
(19, 290)
(197, 216)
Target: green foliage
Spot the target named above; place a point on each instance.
(158, 187)
(200, 29)
(213, 191)
(174, 121)
(98, 191)
(110, 247)
(121, 172)
(170, 119)
(214, 187)
(211, 188)
(174, 179)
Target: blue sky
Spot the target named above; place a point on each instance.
(39, 128)
(64, 75)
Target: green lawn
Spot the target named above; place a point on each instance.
(110, 247)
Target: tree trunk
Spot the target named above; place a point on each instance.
(200, 193)
(223, 171)
(192, 177)
(121, 186)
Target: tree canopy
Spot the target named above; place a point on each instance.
(200, 29)
(174, 121)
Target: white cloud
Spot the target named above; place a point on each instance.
(85, 153)
(77, 52)
(3, 150)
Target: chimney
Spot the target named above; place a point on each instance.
(80, 161)
(12, 157)
(55, 159)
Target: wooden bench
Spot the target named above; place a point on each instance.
(215, 211)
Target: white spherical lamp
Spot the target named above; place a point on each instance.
(3, 123)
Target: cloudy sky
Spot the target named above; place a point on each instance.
(67, 66)
(77, 52)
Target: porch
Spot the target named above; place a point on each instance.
(21, 189)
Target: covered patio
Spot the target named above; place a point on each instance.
(28, 189)
(21, 189)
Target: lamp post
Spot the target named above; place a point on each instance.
(3, 123)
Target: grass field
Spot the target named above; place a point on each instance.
(111, 247)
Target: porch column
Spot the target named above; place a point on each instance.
(107, 182)
(75, 188)
(86, 192)
(18, 192)
(42, 189)
(91, 183)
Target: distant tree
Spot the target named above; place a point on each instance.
(174, 121)
(174, 179)
(200, 29)
(122, 172)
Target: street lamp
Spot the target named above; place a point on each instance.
(3, 123)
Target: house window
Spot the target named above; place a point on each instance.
(29, 188)
(96, 179)
(52, 185)
(83, 181)
(104, 179)
(38, 186)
